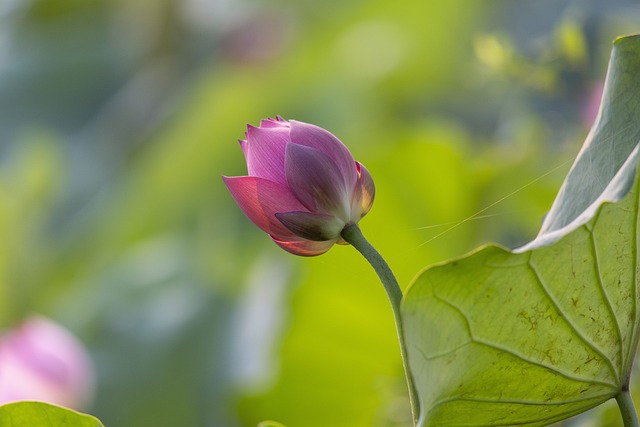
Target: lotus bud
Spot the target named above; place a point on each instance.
(303, 185)
(41, 361)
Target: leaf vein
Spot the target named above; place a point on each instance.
(550, 368)
(598, 397)
(427, 357)
(568, 321)
(633, 338)
(523, 358)
(555, 417)
(603, 291)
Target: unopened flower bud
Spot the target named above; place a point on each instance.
(40, 360)
(303, 185)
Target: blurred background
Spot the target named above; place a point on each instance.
(118, 118)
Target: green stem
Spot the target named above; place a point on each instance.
(628, 411)
(352, 234)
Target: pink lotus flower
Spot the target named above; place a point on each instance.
(39, 360)
(303, 186)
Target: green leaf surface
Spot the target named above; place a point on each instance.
(536, 335)
(31, 414)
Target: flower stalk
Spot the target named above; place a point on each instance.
(353, 235)
(627, 410)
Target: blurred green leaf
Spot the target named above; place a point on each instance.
(30, 414)
(548, 331)
(270, 424)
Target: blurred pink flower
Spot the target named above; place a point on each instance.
(303, 186)
(592, 104)
(40, 360)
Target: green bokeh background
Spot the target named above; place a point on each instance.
(118, 118)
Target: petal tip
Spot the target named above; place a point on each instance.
(303, 248)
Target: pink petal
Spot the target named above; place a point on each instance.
(312, 226)
(363, 193)
(260, 199)
(264, 152)
(323, 140)
(273, 123)
(316, 181)
(243, 145)
(304, 247)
